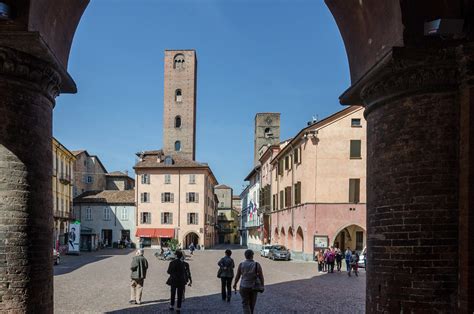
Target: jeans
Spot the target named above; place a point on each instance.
(330, 267)
(180, 295)
(249, 299)
(226, 285)
(348, 265)
(320, 266)
(339, 265)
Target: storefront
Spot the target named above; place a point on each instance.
(154, 237)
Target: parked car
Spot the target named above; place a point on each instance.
(279, 252)
(362, 259)
(265, 249)
(56, 257)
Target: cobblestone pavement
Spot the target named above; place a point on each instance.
(98, 282)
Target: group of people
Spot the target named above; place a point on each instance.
(328, 257)
(249, 273)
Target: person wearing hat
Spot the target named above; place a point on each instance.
(139, 267)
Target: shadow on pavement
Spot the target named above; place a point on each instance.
(70, 263)
(319, 294)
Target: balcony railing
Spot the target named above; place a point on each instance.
(252, 224)
(226, 230)
(64, 178)
(63, 214)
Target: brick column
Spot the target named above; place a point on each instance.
(28, 87)
(412, 113)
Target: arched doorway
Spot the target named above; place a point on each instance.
(191, 237)
(351, 236)
(283, 236)
(299, 241)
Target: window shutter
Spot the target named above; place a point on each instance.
(196, 197)
(162, 197)
(141, 218)
(171, 218)
(291, 162)
(149, 218)
(141, 197)
(187, 197)
(189, 218)
(172, 197)
(162, 218)
(355, 149)
(357, 191)
(196, 222)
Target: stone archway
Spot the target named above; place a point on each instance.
(283, 237)
(352, 236)
(190, 237)
(276, 237)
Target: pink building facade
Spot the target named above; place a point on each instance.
(318, 188)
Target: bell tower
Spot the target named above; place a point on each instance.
(267, 132)
(179, 125)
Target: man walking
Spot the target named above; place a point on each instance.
(138, 268)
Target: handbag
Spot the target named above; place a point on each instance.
(257, 286)
(219, 272)
(168, 282)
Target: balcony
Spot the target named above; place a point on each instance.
(64, 214)
(264, 210)
(252, 224)
(64, 178)
(226, 230)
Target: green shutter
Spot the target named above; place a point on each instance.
(355, 149)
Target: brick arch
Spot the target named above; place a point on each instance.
(283, 236)
(299, 240)
(276, 236)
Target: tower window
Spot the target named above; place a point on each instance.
(177, 146)
(178, 61)
(178, 96)
(268, 132)
(177, 122)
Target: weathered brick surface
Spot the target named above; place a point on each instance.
(27, 89)
(412, 206)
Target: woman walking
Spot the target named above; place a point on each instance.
(252, 274)
(177, 280)
(226, 273)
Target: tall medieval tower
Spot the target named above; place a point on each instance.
(179, 125)
(267, 132)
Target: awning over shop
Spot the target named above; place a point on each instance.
(155, 233)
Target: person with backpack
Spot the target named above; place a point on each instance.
(226, 273)
(252, 282)
(354, 261)
(347, 256)
(330, 259)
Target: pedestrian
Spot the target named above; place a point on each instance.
(339, 259)
(320, 260)
(354, 261)
(177, 280)
(191, 248)
(330, 259)
(139, 267)
(252, 282)
(226, 273)
(326, 264)
(189, 279)
(347, 256)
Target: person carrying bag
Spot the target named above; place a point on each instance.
(226, 273)
(252, 282)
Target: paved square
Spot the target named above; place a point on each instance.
(98, 282)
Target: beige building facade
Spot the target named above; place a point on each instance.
(318, 188)
(175, 199)
(62, 182)
(227, 216)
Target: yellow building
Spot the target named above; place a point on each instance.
(63, 163)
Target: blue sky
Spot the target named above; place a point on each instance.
(254, 56)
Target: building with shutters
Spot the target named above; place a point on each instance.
(175, 199)
(227, 216)
(318, 186)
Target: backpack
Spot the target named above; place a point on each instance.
(330, 257)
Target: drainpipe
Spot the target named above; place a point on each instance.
(179, 204)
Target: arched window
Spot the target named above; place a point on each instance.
(168, 160)
(177, 146)
(178, 62)
(177, 122)
(178, 96)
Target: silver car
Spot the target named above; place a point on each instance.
(265, 249)
(279, 252)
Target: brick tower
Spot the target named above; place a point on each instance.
(179, 125)
(267, 132)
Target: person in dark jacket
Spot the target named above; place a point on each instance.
(189, 279)
(177, 280)
(226, 270)
(139, 267)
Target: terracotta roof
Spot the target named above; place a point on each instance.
(155, 159)
(107, 196)
(116, 174)
(222, 186)
(77, 152)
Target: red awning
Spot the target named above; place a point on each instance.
(155, 233)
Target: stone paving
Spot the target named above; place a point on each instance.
(98, 282)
